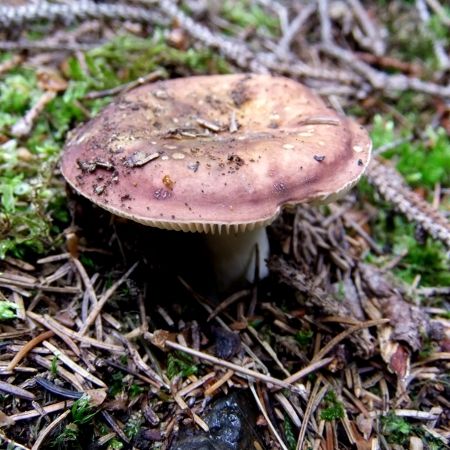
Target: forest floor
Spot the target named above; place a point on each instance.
(345, 345)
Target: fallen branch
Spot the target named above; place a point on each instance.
(389, 183)
(19, 16)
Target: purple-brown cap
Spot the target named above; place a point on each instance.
(213, 153)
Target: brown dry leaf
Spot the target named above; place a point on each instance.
(400, 362)
(96, 396)
(408, 321)
(365, 425)
(360, 441)
(159, 338)
(396, 356)
(375, 280)
(364, 445)
(178, 38)
(5, 421)
(415, 443)
(50, 80)
(239, 325)
(120, 403)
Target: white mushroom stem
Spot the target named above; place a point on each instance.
(234, 256)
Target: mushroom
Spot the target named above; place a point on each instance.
(219, 154)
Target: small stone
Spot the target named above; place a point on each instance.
(232, 424)
(227, 343)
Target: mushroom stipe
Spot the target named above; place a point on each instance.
(257, 143)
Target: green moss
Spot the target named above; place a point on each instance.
(7, 310)
(428, 347)
(67, 438)
(423, 162)
(438, 28)
(413, 40)
(289, 434)
(128, 57)
(135, 390)
(246, 15)
(134, 424)
(179, 363)
(427, 259)
(81, 411)
(304, 337)
(33, 209)
(88, 263)
(117, 384)
(115, 444)
(76, 433)
(54, 366)
(31, 205)
(333, 409)
(397, 430)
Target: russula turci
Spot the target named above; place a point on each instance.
(218, 154)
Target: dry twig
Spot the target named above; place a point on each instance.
(392, 187)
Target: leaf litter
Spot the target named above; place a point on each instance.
(336, 350)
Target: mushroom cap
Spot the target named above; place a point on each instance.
(212, 153)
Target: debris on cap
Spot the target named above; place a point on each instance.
(212, 153)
